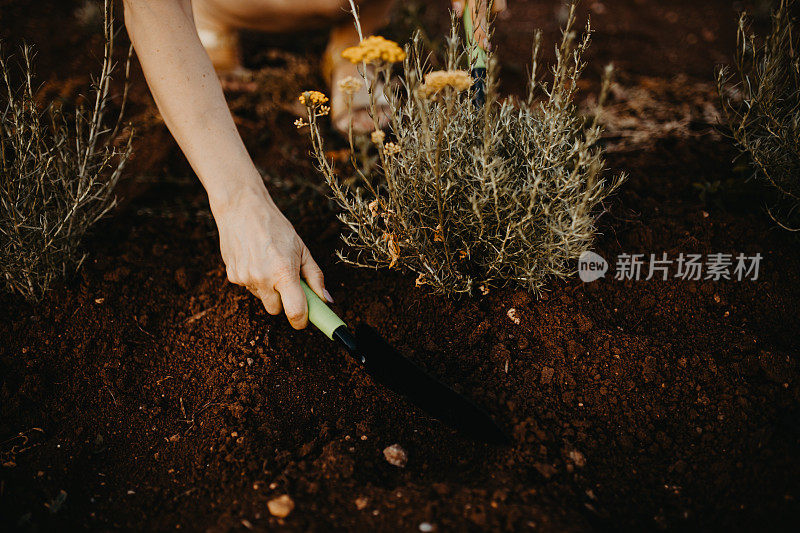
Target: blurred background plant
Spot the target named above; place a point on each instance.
(761, 103)
(58, 170)
(472, 197)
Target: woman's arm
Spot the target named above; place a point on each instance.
(260, 248)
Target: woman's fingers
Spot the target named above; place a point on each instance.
(294, 300)
(262, 251)
(287, 294)
(477, 11)
(499, 6)
(279, 288)
(271, 300)
(478, 14)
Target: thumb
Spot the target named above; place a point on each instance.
(458, 8)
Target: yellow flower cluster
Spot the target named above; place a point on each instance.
(392, 148)
(312, 98)
(436, 81)
(375, 49)
(378, 136)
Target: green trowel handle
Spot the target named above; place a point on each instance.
(477, 53)
(320, 314)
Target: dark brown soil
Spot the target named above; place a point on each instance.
(150, 394)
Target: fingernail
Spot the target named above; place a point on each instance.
(327, 295)
(458, 8)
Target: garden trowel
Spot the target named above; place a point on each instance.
(388, 367)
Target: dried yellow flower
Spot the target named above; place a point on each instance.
(300, 123)
(436, 81)
(437, 235)
(350, 85)
(394, 249)
(377, 137)
(374, 205)
(391, 148)
(375, 49)
(312, 98)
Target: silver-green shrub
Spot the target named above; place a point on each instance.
(473, 197)
(58, 171)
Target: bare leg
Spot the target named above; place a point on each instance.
(218, 21)
(219, 38)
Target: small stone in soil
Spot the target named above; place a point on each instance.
(281, 506)
(513, 315)
(578, 458)
(361, 503)
(396, 455)
(426, 527)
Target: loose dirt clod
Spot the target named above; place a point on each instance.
(396, 455)
(281, 506)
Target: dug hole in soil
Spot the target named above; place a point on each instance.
(148, 393)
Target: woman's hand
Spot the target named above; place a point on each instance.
(479, 22)
(263, 252)
(260, 248)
